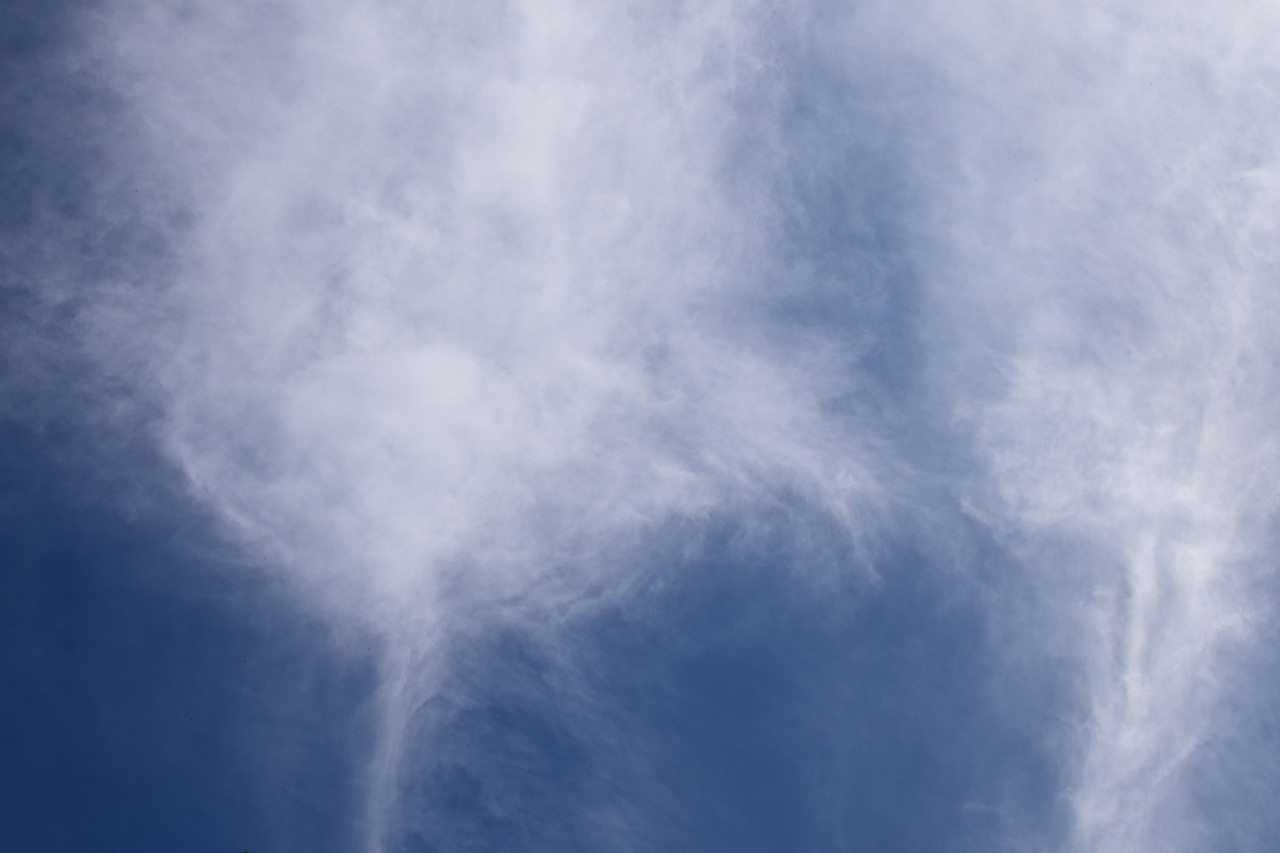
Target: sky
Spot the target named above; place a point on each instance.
(563, 426)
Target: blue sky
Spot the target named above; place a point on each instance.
(639, 427)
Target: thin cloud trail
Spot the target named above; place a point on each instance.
(444, 308)
(1112, 286)
(454, 300)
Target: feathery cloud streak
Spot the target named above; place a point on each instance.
(464, 296)
(455, 306)
(1114, 205)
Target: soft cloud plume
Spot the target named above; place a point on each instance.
(463, 298)
(443, 271)
(1110, 282)
(448, 311)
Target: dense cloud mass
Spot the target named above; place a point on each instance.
(906, 371)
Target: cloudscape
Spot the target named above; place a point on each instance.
(567, 426)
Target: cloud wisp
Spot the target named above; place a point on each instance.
(454, 314)
(466, 299)
(1110, 289)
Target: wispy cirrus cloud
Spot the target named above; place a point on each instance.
(466, 299)
(457, 317)
(1111, 285)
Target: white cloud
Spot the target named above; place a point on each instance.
(457, 291)
(482, 291)
(1111, 281)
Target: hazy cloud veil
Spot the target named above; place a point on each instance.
(477, 317)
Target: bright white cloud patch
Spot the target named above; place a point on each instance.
(462, 283)
(487, 291)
